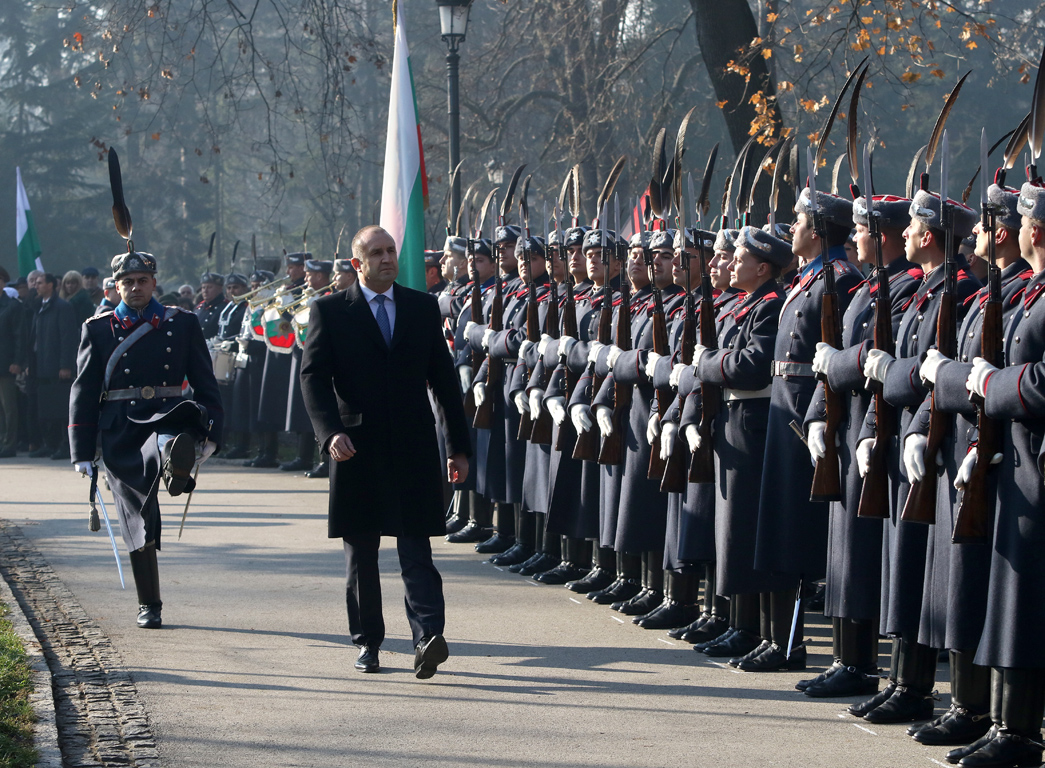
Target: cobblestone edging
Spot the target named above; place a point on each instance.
(100, 722)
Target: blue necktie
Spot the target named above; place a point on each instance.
(382, 319)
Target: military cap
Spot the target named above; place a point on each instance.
(235, 278)
(432, 258)
(554, 237)
(458, 245)
(481, 247)
(506, 234)
(926, 208)
(89, 272)
(640, 239)
(835, 209)
(593, 239)
(261, 276)
(1006, 205)
(107, 285)
(1032, 201)
(298, 258)
(893, 212)
(535, 245)
(212, 277)
(575, 236)
(693, 235)
(781, 231)
(726, 239)
(344, 265)
(135, 261)
(319, 265)
(662, 239)
(765, 246)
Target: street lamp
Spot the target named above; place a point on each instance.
(453, 24)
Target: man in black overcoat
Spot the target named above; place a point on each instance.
(371, 354)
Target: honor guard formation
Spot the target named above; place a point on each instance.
(695, 426)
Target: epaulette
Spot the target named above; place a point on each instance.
(962, 275)
(862, 283)
(916, 273)
(102, 314)
(676, 310)
(1031, 296)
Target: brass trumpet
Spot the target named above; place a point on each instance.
(250, 294)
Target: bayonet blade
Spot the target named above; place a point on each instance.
(983, 169)
(944, 171)
(811, 166)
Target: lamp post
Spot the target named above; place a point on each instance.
(453, 23)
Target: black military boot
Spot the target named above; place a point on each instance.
(856, 673)
(742, 636)
(525, 535)
(546, 552)
(574, 552)
(146, 574)
(653, 588)
(457, 513)
(267, 450)
(679, 608)
(861, 709)
(1016, 736)
(997, 686)
(238, 446)
(776, 657)
(476, 529)
(321, 470)
(836, 654)
(969, 717)
(502, 538)
(912, 700)
(627, 584)
(179, 457)
(306, 454)
(602, 573)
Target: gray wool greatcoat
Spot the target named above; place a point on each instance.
(354, 383)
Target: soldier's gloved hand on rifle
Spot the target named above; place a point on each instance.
(914, 457)
(693, 438)
(208, 450)
(536, 398)
(934, 358)
(863, 455)
(977, 381)
(653, 427)
(651, 364)
(604, 417)
(877, 364)
(594, 350)
(669, 432)
(522, 402)
(557, 408)
(698, 351)
(565, 345)
(542, 345)
(84, 468)
(676, 374)
(968, 464)
(815, 441)
(469, 326)
(524, 347)
(487, 337)
(581, 418)
(612, 355)
(479, 392)
(465, 374)
(822, 358)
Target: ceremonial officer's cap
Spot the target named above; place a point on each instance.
(726, 240)
(344, 265)
(212, 277)
(640, 239)
(481, 247)
(108, 284)
(926, 208)
(893, 212)
(765, 246)
(298, 258)
(235, 278)
(457, 245)
(535, 245)
(695, 238)
(506, 234)
(261, 276)
(90, 272)
(135, 261)
(782, 231)
(319, 265)
(1006, 205)
(593, 239)
(1032, 201)
(575, 236)
(554, 237)
(835, 209)
(662, 240)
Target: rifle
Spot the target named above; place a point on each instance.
(612, 451)
(567, 433)
(533, 321)
(476, 308)
(541, 433)
(660, 346)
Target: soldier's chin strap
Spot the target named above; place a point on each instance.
(95, 523)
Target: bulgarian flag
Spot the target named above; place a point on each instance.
(404, 189)
(28, 242)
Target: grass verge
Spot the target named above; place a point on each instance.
(16, 713)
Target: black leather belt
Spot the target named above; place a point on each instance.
(786, 369)
(141, 393)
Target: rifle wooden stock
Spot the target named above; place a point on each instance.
(702, 466)
(567, 434)
(676, 473)
(476, 310)
(612, 451)
(657, 465)
(587, 446)
(541, 434)
(495, 367)
(827, 477)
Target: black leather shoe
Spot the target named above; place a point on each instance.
(861, 709)
(1004, 750)
(641, 604)
(758, 650)
(321, 470)
(179, 457)
(904, 706)
(775, 660)
(430, 653)
(710, 630)
(619, 591)
(472, 533)
(149, 616)
(560, 574)
(640, 595)
(802, 685)
(496, 544)
(454, 524)
(676, 633)
(955, 755)
(957, 726)
(539, 563)
(847, 681)
(737, 644)
(515, 554)
(367, 661)
(722, 637)
(596, 579)
(667, 615)
(297, 465)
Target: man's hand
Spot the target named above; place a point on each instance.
(965, 470)
(914, 456)
(542, 345)
(693, 438)
(340, 447)
(651, 364)
(487, 337)
(653, 427)
(565, 345)
(698, 350)
(524, 347)
(457, 468)
(468, 326)
(612, 355)
(593, 351)
(977, 381)
(522, 402)
(668, 434)
(822, 358)
(84, 468)
(536, 398)
(863, 455)
(676, 374)
(815, 440)
(581, 418)
(479, 392)
(65, 374)
(604, 417)
(877, 364)
(934, 358)
(557, 408)
(465, 374)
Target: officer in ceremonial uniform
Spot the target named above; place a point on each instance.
(128, 395)
(250, 366)
(111, 296)
(212, 293)
(230, 324)
(344, 274)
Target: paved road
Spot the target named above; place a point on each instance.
(253, 666)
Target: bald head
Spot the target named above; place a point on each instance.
(375, 259)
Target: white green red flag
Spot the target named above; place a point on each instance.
(28, 242)
(404, 189)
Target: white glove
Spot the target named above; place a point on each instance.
(668, 434)
(524, 348)
(208, 450)
(914, 456)
(565, 345)
(676, 374)
(651, 364)
(593, 351)
(822, 358)
(536, 398)
(604, 416)
(612, 355)
(653, 427)
(934, 358)
(465, 374)
(815, 440)
(557, 408)
(863, 455)
(84, 468)
(580, 417)
(965, 470)
(469, 326)
(698, 350)
(977, 381)
(487, 337)
(479, 392)
(542, 345)
(693, 439)
(522, 403)
(877, 364)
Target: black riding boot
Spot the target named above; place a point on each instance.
(483, 516)
(969, 715)
(238, 444)
(509, 515)
(653, 587)
(268, 447)
(1017, 706)
(912, 700)
(856, 671)
(547, 553)
(714, 619)
(306, 454)
(627, 584)
(458, 513)
(477, 525)
(836, 658)
(679, 608)
(602, 573)
(147, 584)
(574, 552)
(775, 657)
(895, 654)
(742, 637)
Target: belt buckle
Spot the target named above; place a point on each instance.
(148, 393)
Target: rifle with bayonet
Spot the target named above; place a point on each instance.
(533, 320)
(567, 434)
(612, 451)
(541, 434)
(476, 308)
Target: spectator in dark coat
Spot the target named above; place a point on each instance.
(12, 360)
(52, 359)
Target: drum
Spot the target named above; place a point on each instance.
(223, 360)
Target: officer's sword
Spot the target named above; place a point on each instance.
(188, 501)
(94, 522)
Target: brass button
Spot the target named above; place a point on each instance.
(168, 349)
(126, 370)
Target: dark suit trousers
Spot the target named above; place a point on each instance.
(422, 582)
